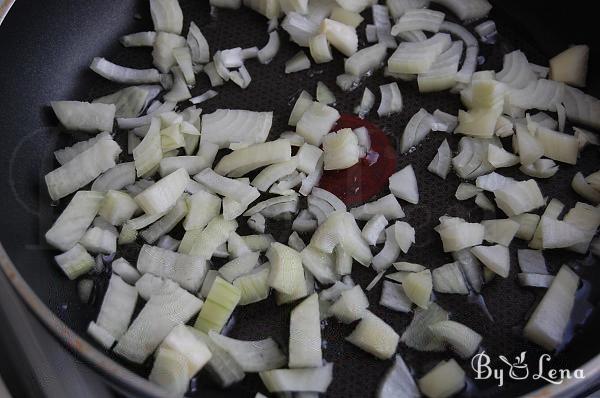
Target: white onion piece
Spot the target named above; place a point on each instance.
(162, 53)
(500, 231)
(440, 164)
(527, 225)
(585, 137)
(131, 101)
(535, 280)
(252, 356)
(167, 308)
(340, 150)
(350, 306)
(418, 57)
(403, 184)
(418, 335)
(316, 122)
(549, 320)
(558, 234)
(463, 340)
(202, 207)
(446, 379)
(213, 76)
(330, 198)
(340, 36)
(467, 10)
(167, 242)
(553, 210)
(449, 278)
(419, 19)
(383, 27)
(198, 45)
(484, 203)
(391, 99)
(387, 206)
(301, 105)
(499, 157)
(571, 66)
(457, 234)
(225, 126)
(300, 28)
(532, 262)
(416, 130)
(587, 218)
(541, 168)
(444, 121)
(166, 16)
(117, 307)
(346, 17)
(208, 94)
(374, 336)
(519, 197)
(442, 74)
(581, 108)
(466, 191)
(260, 206)
(82, 169)
(319, 264)
(585, 189)
(320, 49)
(324, 94)
(398, 381)
(140, 39)
(268, 52)
(180, 91)
(371, 33)
(365, 60)
(516, 71)
(84, 116)
(366, 103)
(312, 178)
(394, 298)
(556, 145)
(255, 156)
(389, 253)
(296, 380)
(472, 50)
(487, 32)
(496, 258)
(121, 74)
(493, 181)
(64, 155)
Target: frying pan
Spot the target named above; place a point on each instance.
(46, 47)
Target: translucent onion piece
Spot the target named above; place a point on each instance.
(139, 39)
(104, 338)
(449, 279)
(115, 178)
(541, 168)
(519, 197)
(350, 306)
(121, 74)
(162, 53)
(500, 231)
(394, 298)
(117, 307)
(75, 262)
(239, 266)
(252, 356)
(165, 309)
(213, 76)
(493, 182)
(467, 10)
(166, 15)
(260, 206)
(237, 190)
(342, 37)
(496, 258)
(558, 234)
(84, 116)
(346, 17)
(255, 156)
(320, 50)
(516, 71)
(535, 280)
(398, 381)
(418, 335)
(254, 287)
(585, 137)
(297, 63)
(549, 320)
(215, 234)
(440, 165)
(225, 126)
(296, 242)
(499, 157)
(583, 188)
(556, 145)
(416, 130)
(340, 150)
(324, 94)
(383, 27)
(532, 261)
(287, 273)
(587, 218)
(125, 270)
(466, 191)
(471, 268)
(222, 299)
(483, 202)
(347, 82)
(447, 377)
(463, 340)
(316, 122)
(418, 286)
(403, 184)
(301, 105)
(457, 234)
(387, 206)
(419, 19)
(365, 60)
(295, 380)
(163, 194)
(319, 264)
(391, 99)
(366, 103)
(571, 66)
(305, 334)
(419, 56)
(374, 336)
(300, 28)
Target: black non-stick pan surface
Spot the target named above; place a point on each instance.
(45, 49)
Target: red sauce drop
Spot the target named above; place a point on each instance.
(359, 183)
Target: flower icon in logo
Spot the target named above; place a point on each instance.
(518, 369)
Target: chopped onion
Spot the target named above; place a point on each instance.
(75, 262)
(466, 191)
(320, 264)
(419, 19)
(214, 235)
(255, 156)
(374, 336)
(398, 381)
(535, 280)
(466, 10)
(365, 60)
(449, 279)
(571, 66)
(252, 356)
(340, 150)
(519, 197)
(124, 75)
(496, 258)
(300, 28)
(558, 234)
(419, 56)
(222, 299)
(416, 130)
(541, 168)
(516, 71)
(297, 63)
(418, 335)
(350, 306)
(500, 231)
(117, 307)
(104, 338)
(320, 49)
(457, 234)
(165, 309)
(346, 17)
(447, 377)
(342, 37)
(383, 27)
(166, 15)
(225, 126)
(84, 116)
(549, 320)
(394, 298)
(387, 206)
(140, 39)
(347, 82)
(305, 335)
(316, 122)
(294, 380)
(391, 99)
(324, 95)
(366, 103)
(471, 268)
(418, 286)
(585, 189)
(532, 261)
(440, 165)
(287, 275)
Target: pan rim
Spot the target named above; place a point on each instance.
(114, 372)
(131, 381)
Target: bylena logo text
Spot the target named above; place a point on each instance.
(519, 370)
